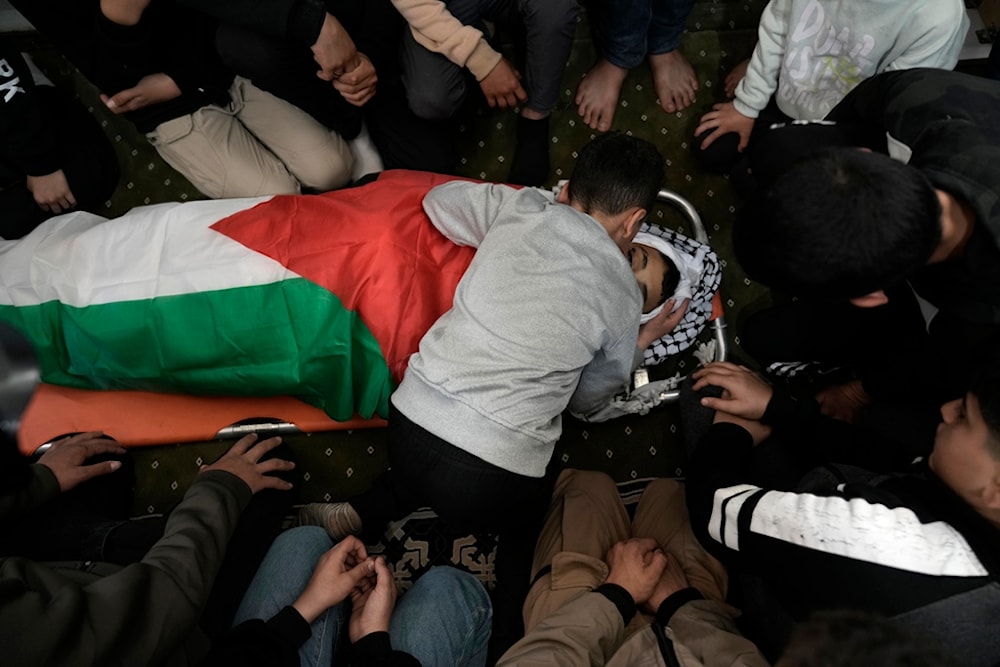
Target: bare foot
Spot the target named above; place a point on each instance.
(598, 93)
(734, 77)
(673, 80)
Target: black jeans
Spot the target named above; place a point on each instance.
(470, 495)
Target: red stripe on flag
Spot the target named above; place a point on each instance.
(372, 246)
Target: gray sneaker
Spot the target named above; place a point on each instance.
(339, 519)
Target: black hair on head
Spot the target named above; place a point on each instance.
(616, 172)
(841, 223)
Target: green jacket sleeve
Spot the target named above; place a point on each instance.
(143, 614)
(37, 486)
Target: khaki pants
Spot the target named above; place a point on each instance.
(258, 145)
(587, 517)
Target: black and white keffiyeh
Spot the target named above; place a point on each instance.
(699, 309)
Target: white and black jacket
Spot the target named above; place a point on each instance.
(903, 545)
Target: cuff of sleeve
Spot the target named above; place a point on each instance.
(289, 624)
(46, 480)
(670, 606)
(621, 598)
(234, 484)
(747, 111)
(41, 164)
(780, 409)
(305, 22)
(482, 60)
(728, 440)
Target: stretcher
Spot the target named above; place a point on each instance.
(142, 418)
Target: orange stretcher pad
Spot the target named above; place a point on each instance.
(142, 418)
(145, 418)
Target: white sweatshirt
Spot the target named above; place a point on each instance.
(811, 53)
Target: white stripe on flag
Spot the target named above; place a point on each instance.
(168, 249)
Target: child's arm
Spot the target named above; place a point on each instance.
(761, 79)
(465, 211)
(758, 84)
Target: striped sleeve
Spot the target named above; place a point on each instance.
(851, 528)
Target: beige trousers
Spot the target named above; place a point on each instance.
(587, 517)
(257, 145)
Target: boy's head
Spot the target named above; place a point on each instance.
(966, 453)
(841, 223)
(656, 274)
(616, 180)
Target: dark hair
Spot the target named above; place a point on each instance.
(615, 172)
(854, 638)
(985, 386)
(840, 223)
(671, 278)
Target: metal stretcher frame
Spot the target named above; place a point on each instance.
(718, 323)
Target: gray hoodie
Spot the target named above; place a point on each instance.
(547, 316)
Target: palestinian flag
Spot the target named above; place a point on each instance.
(322, 297)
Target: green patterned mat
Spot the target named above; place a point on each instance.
(337, 465)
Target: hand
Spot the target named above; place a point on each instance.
(636, 566)
(339, 571)
(334, 50)
(745, 393)
(124, 12)
(51, 192)
(358, 85)
(724, 118)
(672, 580)
(151, 89)
(734, 77)
(758, 432)
(372, 608)
(243, 460)
(502, 86)
(845, 402)
(664, 322)
(67, 458)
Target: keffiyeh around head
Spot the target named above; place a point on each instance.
(688, 267)
(701, 285)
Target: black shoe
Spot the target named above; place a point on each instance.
(530, 165)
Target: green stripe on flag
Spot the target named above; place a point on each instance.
(291, 337)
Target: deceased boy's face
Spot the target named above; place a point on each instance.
(649, 269)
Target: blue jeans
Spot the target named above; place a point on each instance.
(629, 30)
(443, 620)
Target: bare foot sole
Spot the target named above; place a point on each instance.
(598, 93)
(673, 80)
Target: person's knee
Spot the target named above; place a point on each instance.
(432, 102)
(326, 170)
(308, 539)
(550, 14)
(664, 490)
(462, 589)
(589, 483)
